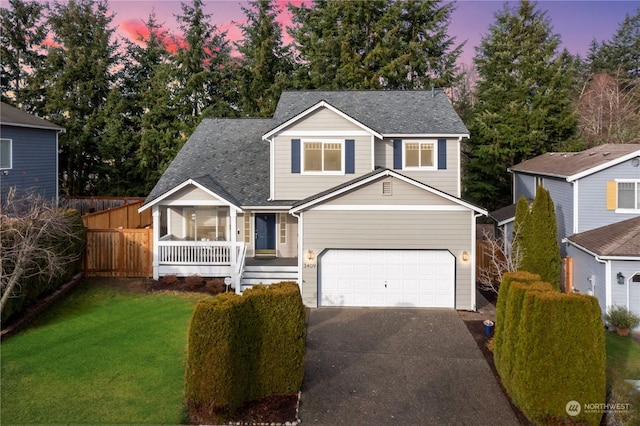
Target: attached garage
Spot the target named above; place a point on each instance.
(387, 278)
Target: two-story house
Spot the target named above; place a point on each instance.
(28, 153)
(354, 195)
(596, 194)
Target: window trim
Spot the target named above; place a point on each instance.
(10, 141)
(323, 141)
(434, 145)
(636, 183)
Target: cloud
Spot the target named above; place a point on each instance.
(135, 30)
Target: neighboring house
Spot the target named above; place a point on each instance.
(28, 153)
(594, 192)
(606, 263)
(354, 195)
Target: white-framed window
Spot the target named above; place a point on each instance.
(205, 223)
(628, 195)
(323, 156)
(420, 154)
(283, 227)
(247, 227)
(6, 154)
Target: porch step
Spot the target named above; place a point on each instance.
(267, 275)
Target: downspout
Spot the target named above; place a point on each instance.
(473, 261)
(272, 178)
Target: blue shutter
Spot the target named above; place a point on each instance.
(349, 156)
(397, 154)
(295, 155)
(442, 154)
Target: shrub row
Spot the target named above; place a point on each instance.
(549, 350)
(37, 285)
(242, 348)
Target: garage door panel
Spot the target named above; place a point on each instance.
(421, 278)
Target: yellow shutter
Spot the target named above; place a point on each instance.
(612, 195)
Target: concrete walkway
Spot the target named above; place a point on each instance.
(397, 367)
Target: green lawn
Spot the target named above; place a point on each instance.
(102, 355)
(623, 357)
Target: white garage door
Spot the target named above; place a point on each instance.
(409, 278)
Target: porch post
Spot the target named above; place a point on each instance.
(155, 212)
(234, 237)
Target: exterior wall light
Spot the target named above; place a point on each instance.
(465, 256)
(620, 278)
(310, 255)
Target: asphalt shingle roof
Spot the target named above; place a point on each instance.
(385, 111)
(565, 164)
(228, 157)
(618, 239)
(10, 115)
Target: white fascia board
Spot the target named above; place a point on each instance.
(504, 222)
(603, 166)
(321, 104)
(390, 207)
(427, 135)
(266, 208)
(597, 256)
(193, 202)
(325, 133)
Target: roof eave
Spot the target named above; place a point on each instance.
(603, 166)
(181, 186)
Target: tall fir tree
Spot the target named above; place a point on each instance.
(77, 77)
(521, 226)
(23, 29)
(374, 44)
(266, 63)
(202, 66)
(523, 104)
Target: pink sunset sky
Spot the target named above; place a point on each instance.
(577, 22)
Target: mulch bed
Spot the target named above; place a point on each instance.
(272, 409)
(477, 330)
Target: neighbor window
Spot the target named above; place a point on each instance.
(5, 154)
(629, 195)
(419, 154)
(323, 156)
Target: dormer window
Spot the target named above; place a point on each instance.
(419, 154)
(323, 156)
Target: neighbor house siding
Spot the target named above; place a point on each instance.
(561, 193)
(523, 186)
(619, 294)
(446, 180)
(35, 161)
(592, 198)
(585, 266)
(448, 230)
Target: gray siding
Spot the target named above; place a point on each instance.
(592, 197)
(524, 186)
(585, 266)
(448, 230)
(561, 193)
(297, 186)
(35, 161)
(619, 294)
(446, 180)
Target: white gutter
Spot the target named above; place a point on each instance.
(300, 253)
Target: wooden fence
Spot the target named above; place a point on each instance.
(484, 257)
(86, 205)
(119, 252)
(126, 216)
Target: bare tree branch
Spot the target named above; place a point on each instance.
(503, 256)
(35, 239)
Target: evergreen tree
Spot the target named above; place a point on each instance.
(203, 66)
(374, 44)
(266, 63)
(542, 253)
(521, 228)
(622, 52)
(22, 33)
(523, 104)
(77, 77)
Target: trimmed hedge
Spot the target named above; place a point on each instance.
(242, 348)
(36, 286)
(551, 351)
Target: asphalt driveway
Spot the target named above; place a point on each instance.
(397, 367)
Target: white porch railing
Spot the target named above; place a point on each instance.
(197, 252)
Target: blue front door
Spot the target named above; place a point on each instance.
(265, 233)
